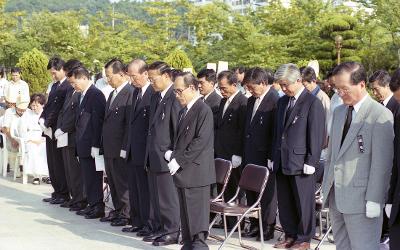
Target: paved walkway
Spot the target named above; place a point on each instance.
(28, 223)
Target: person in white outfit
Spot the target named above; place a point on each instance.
(26, 130)
(17, 87)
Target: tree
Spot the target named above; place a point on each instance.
(34, 70)
(178, 59)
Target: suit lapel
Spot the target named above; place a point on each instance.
(146, 95)
(354, 127)
(161, 106)
(117, 100)
(188, 117)
(295, 109)
(229, 110)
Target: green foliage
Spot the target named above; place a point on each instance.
(178, 59)
(34, 70)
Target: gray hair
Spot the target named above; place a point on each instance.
(289, 72)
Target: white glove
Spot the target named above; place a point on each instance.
(373, 209)
(122, 154)
(167, 155)
(236, 161)
(173, 166)
(270, 165)
(48, 132)
(58, 133)
(94, 152)
(388, 209)
(308, 169)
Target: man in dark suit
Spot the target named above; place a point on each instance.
(89, 122)
(48, 122)
(299, 138)
(114, 136)
(392, 207)
(66, 128)
(191, 162)
(379, 82)
(164, 201)
(259, 134)
(135, 148)
(208, 79)
(229, 130)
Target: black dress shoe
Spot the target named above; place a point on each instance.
(85, 211)
(146, 231)
(66, 204)
(120, 222)
(152, 237)
(111, 216)
(132, 229)
(165, 240)
(268, 233)
(253, 232)
(57, 201)
(96, 213)
(48, 199)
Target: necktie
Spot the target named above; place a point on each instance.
(256, 104)
(54, 86)
(226, 107)
(349, 118)
(113, 97)
(182, 114)
(81, 99)
(138, 99)
(290, 107)
(159, 98)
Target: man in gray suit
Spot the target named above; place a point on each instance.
(357, 170)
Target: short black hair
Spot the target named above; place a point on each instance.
(55, 62)
(161, 67)
(189, 79)
(240, 69)
(79, 72)
(117, 66)
(70, 64)
(381, 76)
(15, 70)
(174, 73)
(308, 74)
(270, 75)
(40, 98)
(356, 70)
(395, 81)
(255, 75)
(229, 75)
(209, 74)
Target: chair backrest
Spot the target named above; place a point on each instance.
(254, 178)
(223, 169)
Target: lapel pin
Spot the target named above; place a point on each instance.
(295, 119)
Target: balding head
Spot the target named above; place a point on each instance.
(137, 71)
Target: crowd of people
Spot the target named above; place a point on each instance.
(155, 132)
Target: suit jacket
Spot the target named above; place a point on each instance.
(138, 127)
(394, 190)
(162, 128)
(67, 116)
(300, 140)
(192, 149)
(213, 101)
(229, 130)
(54, 104)
(393, 105)
(360, 168)
(116, 118)
(89, 121)
(259, 131)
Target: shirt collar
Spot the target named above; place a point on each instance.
(386, 101)
(357, 106)
(63, 80)
(265, 93)
(315, 91)
(84, 92)
(192, 102)
(233, 96)
(296, 97)
(144, 88)
(121, 87)
(206, 96)
(165, 91)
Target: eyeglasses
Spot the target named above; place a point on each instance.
(342, 91)
(179, 91)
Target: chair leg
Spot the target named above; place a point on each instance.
(240, 232)
(320, 223)
(237, 225)
(213, 222)
(323, 238)
(225, 226)
(261, 229)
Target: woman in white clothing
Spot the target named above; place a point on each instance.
(27, 130)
